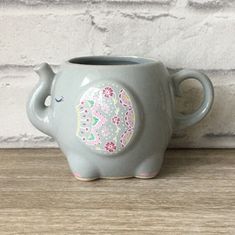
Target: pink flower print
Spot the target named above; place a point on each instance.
(116, 120)
(110, 147)
(108, 92)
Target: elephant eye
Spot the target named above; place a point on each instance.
(59, 99)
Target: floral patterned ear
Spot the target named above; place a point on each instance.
(106, 118)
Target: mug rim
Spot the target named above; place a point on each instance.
(110, 61)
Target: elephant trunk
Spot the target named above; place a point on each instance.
(39, 114)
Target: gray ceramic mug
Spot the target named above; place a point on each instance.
(112, 117)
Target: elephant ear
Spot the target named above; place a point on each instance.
(101, 105)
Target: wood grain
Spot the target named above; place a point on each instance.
(194, 194)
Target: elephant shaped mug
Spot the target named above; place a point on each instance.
(113, 117)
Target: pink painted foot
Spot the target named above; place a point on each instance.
(147, 175)
(83, 169)
(149, 168)
(78, 176)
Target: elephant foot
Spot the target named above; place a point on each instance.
(83, 169)
(150, 167)
(78, 176)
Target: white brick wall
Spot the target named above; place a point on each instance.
(196, 34)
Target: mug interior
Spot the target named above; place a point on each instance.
(109, 60)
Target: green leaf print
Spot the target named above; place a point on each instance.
(90, 103)
(91, 137)
(94, 120)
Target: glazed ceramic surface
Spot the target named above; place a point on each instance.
(112, 117)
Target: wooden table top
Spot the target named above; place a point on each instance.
(194, 194)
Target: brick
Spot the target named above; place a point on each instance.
(201, 41)
(31, 39)
(208, 3)
(16, 130)
(179, 40)
(42, 2)
(163, 2)
(218, 128)
(75, 2)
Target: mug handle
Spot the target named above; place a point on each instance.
(181, 120)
